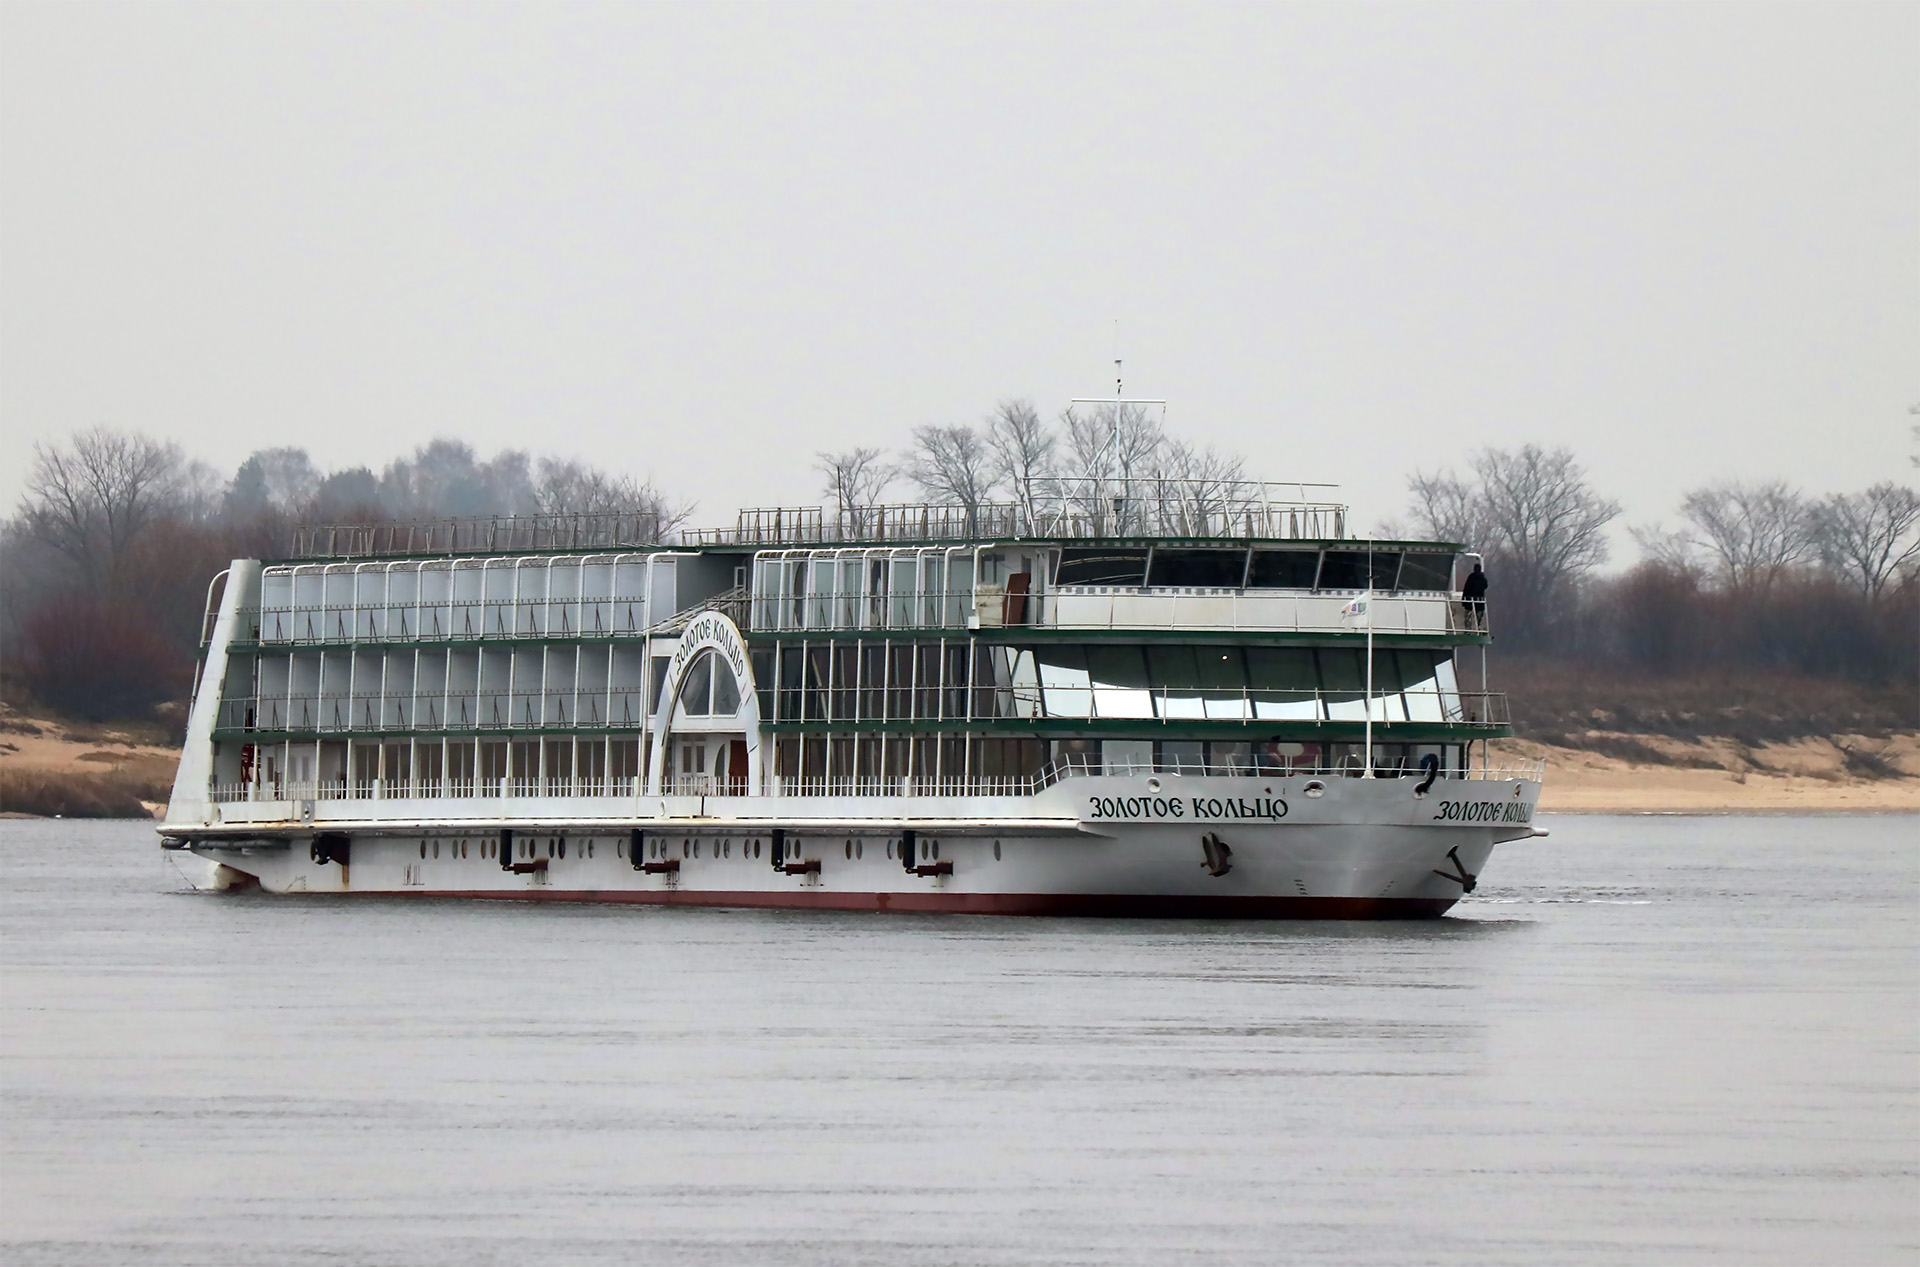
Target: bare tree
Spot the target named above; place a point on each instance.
(1446, 507)
(90, 499)
(1024, 451)
(446, 477)
(855, 479)
(1675, 551)
(562, 487)
(1533, 513)
(1197, 489)
(1118, 443)
(1870, 536)
(1753, 533)
(1109, 449)
(952, 463)
(1544, 516)
(283, 480)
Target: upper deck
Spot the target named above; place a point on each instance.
(1059, 510)
(1259, 561)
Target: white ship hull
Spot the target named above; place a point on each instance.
(1293, 848)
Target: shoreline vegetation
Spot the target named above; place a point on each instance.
(50, 767)
(1757, 655)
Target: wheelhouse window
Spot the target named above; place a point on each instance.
(1198, 569)
(1101, 566)
(1284, 569)
(1427, 572)
(1359, 569)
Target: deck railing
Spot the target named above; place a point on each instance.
(627, 708)
(1072, 508)
(461, 620)
(867, 787)
(503, 534)
(1081, 607)
(1064, 508)
(1161, 705)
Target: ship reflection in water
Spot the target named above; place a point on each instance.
(1647, 1040)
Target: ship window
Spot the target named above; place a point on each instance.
(936, 851)
(849, 851)
(1284, 569)
(1176, 679)
(1063, 681)
(889, 849)
(1186, 756)
(1211, 569)
(1427, 572)
(694, 693)
(658, 673)
(726, 691)
(436, 849)
(726, 849)
(423, 849)
(1101, 566)
(1284, 683)
(996, 851)
(1119, 679)
(859, 848)
(1343, 677)
(1359, 569)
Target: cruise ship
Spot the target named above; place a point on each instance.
(1157, 698)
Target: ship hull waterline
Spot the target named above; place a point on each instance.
(1301, 870)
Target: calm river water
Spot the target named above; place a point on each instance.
(1672, 1040)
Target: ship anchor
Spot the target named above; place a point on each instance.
(1466, 879)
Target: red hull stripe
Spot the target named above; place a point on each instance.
(1124, 905)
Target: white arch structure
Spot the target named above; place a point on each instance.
(709, 631)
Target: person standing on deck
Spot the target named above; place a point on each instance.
(1474, 594)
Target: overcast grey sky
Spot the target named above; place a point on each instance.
(701, 242)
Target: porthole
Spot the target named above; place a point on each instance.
(936, 851)
(925, 850)
(756, 849)
(726, 849)
(463, 849)
(423, 849)
(686, 848)
(849, 851)
(859, 847)
(563, 846)
(436, 849)
(996, 851)
(889, 850)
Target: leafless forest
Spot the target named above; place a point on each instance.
(1756, 609)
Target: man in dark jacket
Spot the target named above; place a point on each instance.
(1474, 592)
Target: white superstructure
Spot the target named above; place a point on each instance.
(1150, 704)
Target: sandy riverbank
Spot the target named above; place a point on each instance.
(1845, 772)
(1615, 773)
(80, 770)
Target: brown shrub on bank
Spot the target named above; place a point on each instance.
(54, 793)
(1556, 701)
